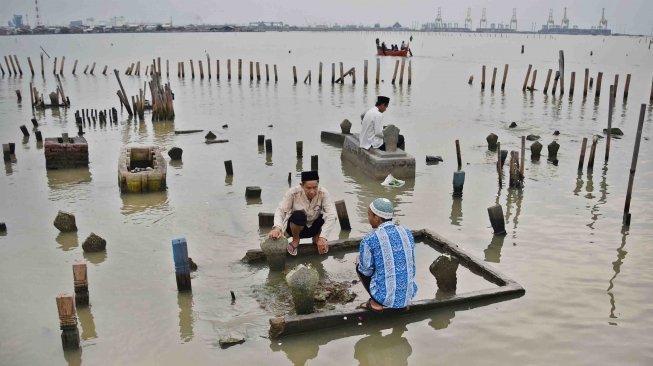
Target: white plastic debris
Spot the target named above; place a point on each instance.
(391, 181)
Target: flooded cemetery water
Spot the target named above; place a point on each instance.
(588, 281)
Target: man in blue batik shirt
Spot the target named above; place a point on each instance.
(386, 261)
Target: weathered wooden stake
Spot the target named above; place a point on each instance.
(24, 129)
(378, 72)
(364, 72)
(54, 66)
(42, 66)
(401, 73)
(167, 68)
(258, 71)
(523, 154)
(496, 219)
(275, 73)
(268, 146)
(609, 132)
(240, 69)
(626, 87)
(546, 83)
(650, 99)
(80, 282)
(590, 161)
(294, 74)
(228, 167)
(505, 75)
(581, 160)
(499, 164)
(460, 161)
(229, 69)
(31, 67)
(587, 75)
(633, 165)
(410, 72)
(300, 148)
(342, 73)
(314, 162)
(201, 67)
(267, 73)
(208, 65)
(251, 71)
(68, 321)
(63, 61)
(555, 84)
(533, 81)
(528, 73)
(394, 75)
(458, 183)
(217, 69)
(616, 84)
(572, 84)
(182, 268)
(343, 216)
(261, 140)
(483, 77)
(599, 78)
(494, 76)
(192, 69)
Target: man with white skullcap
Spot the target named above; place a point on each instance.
(386, 260)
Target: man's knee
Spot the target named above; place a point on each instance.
(298, 218)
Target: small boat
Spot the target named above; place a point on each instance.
(141, 169)
(400, 53)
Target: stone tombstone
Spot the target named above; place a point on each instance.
(65, 222)
(492, 141)
(553, 150)
(302, 282)
(444, 270)
(345, 127)
(210, 136)
(391, 138)
(536, 149)
(94, 243)
(175, 153)
(275, 253)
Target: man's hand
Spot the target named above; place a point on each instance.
(275, 233)
(322, 246)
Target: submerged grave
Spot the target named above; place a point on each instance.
(474, 289)
(378, 163)
(65, 152)
(141, 169)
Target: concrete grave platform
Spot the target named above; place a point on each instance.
(500, 288)
(377, 163)
(65, 152)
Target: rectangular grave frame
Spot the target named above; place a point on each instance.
(293, 324)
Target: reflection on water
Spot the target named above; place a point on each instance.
(67, 179)
(164, 132)
(379, 349)
(185, 302)
(8, 168)
(95, 257)
(177, 164)
(67, 241)
(456, 211)
(493, 251)
(616, 267)
(515, 195)
(146, 208)
(73, 357)
(86, 323)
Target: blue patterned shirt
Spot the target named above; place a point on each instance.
(387, 255)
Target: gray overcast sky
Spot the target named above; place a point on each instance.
(631, 16)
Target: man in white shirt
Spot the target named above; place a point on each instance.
(372, 126)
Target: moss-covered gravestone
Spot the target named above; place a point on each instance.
(444, 270)
(302, 282)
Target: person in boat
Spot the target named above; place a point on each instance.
(403, 45)
(383, 47)
(386, 260)
(306, 211)
(371, 135)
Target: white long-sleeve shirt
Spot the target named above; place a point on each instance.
(295, 199)
(372, 129)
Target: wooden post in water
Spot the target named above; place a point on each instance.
(364, 72)
(217, 69)
(319, 77)
(533, 80)
(572, 84)
(410, 72)
(494, 76)
(598, 85)
(583, 148)
(208, 65)
(124, 95)
(590, 161)
(587, 75)
(268, 146)
(74, 67)
(499, 164)
(546, 83)
(505, 75)
(192, 69)
(394, 75)
(342, 73)
(523, 154)
(229, 69)
(528, 73)
(251, 71)
(228, 167)
(343, 216)
(179, 69)
(63, 60)
(561, 63)
(183, 70)
(104, 71)
(31, 67)
(80, 282)
(401, 74)
(378, 73)
(158, 61)
(240, 69)
(633, 165)
(15, 65)
(42, 66)
(555, 84)
(609, 134)
(460, 161)
(258, 71)
(167, 68)
(54, 66)
(275, 73)
(294, 74)
(616, 83)
(201, 67)
(68, 321)
(299, 146)
(314, 162)
(650, 99)
(8, 67)
(483, 77)
(267, 73)
(182, 268)
(496, 219)
(626, 87)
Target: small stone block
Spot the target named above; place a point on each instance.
(253, 192)
(65, 222)
(94, 243)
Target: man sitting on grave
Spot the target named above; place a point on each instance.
(386, 260)
(372, 127)
(306, 211)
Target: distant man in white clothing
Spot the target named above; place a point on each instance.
(372, 130)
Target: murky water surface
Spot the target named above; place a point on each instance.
(589, 286)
